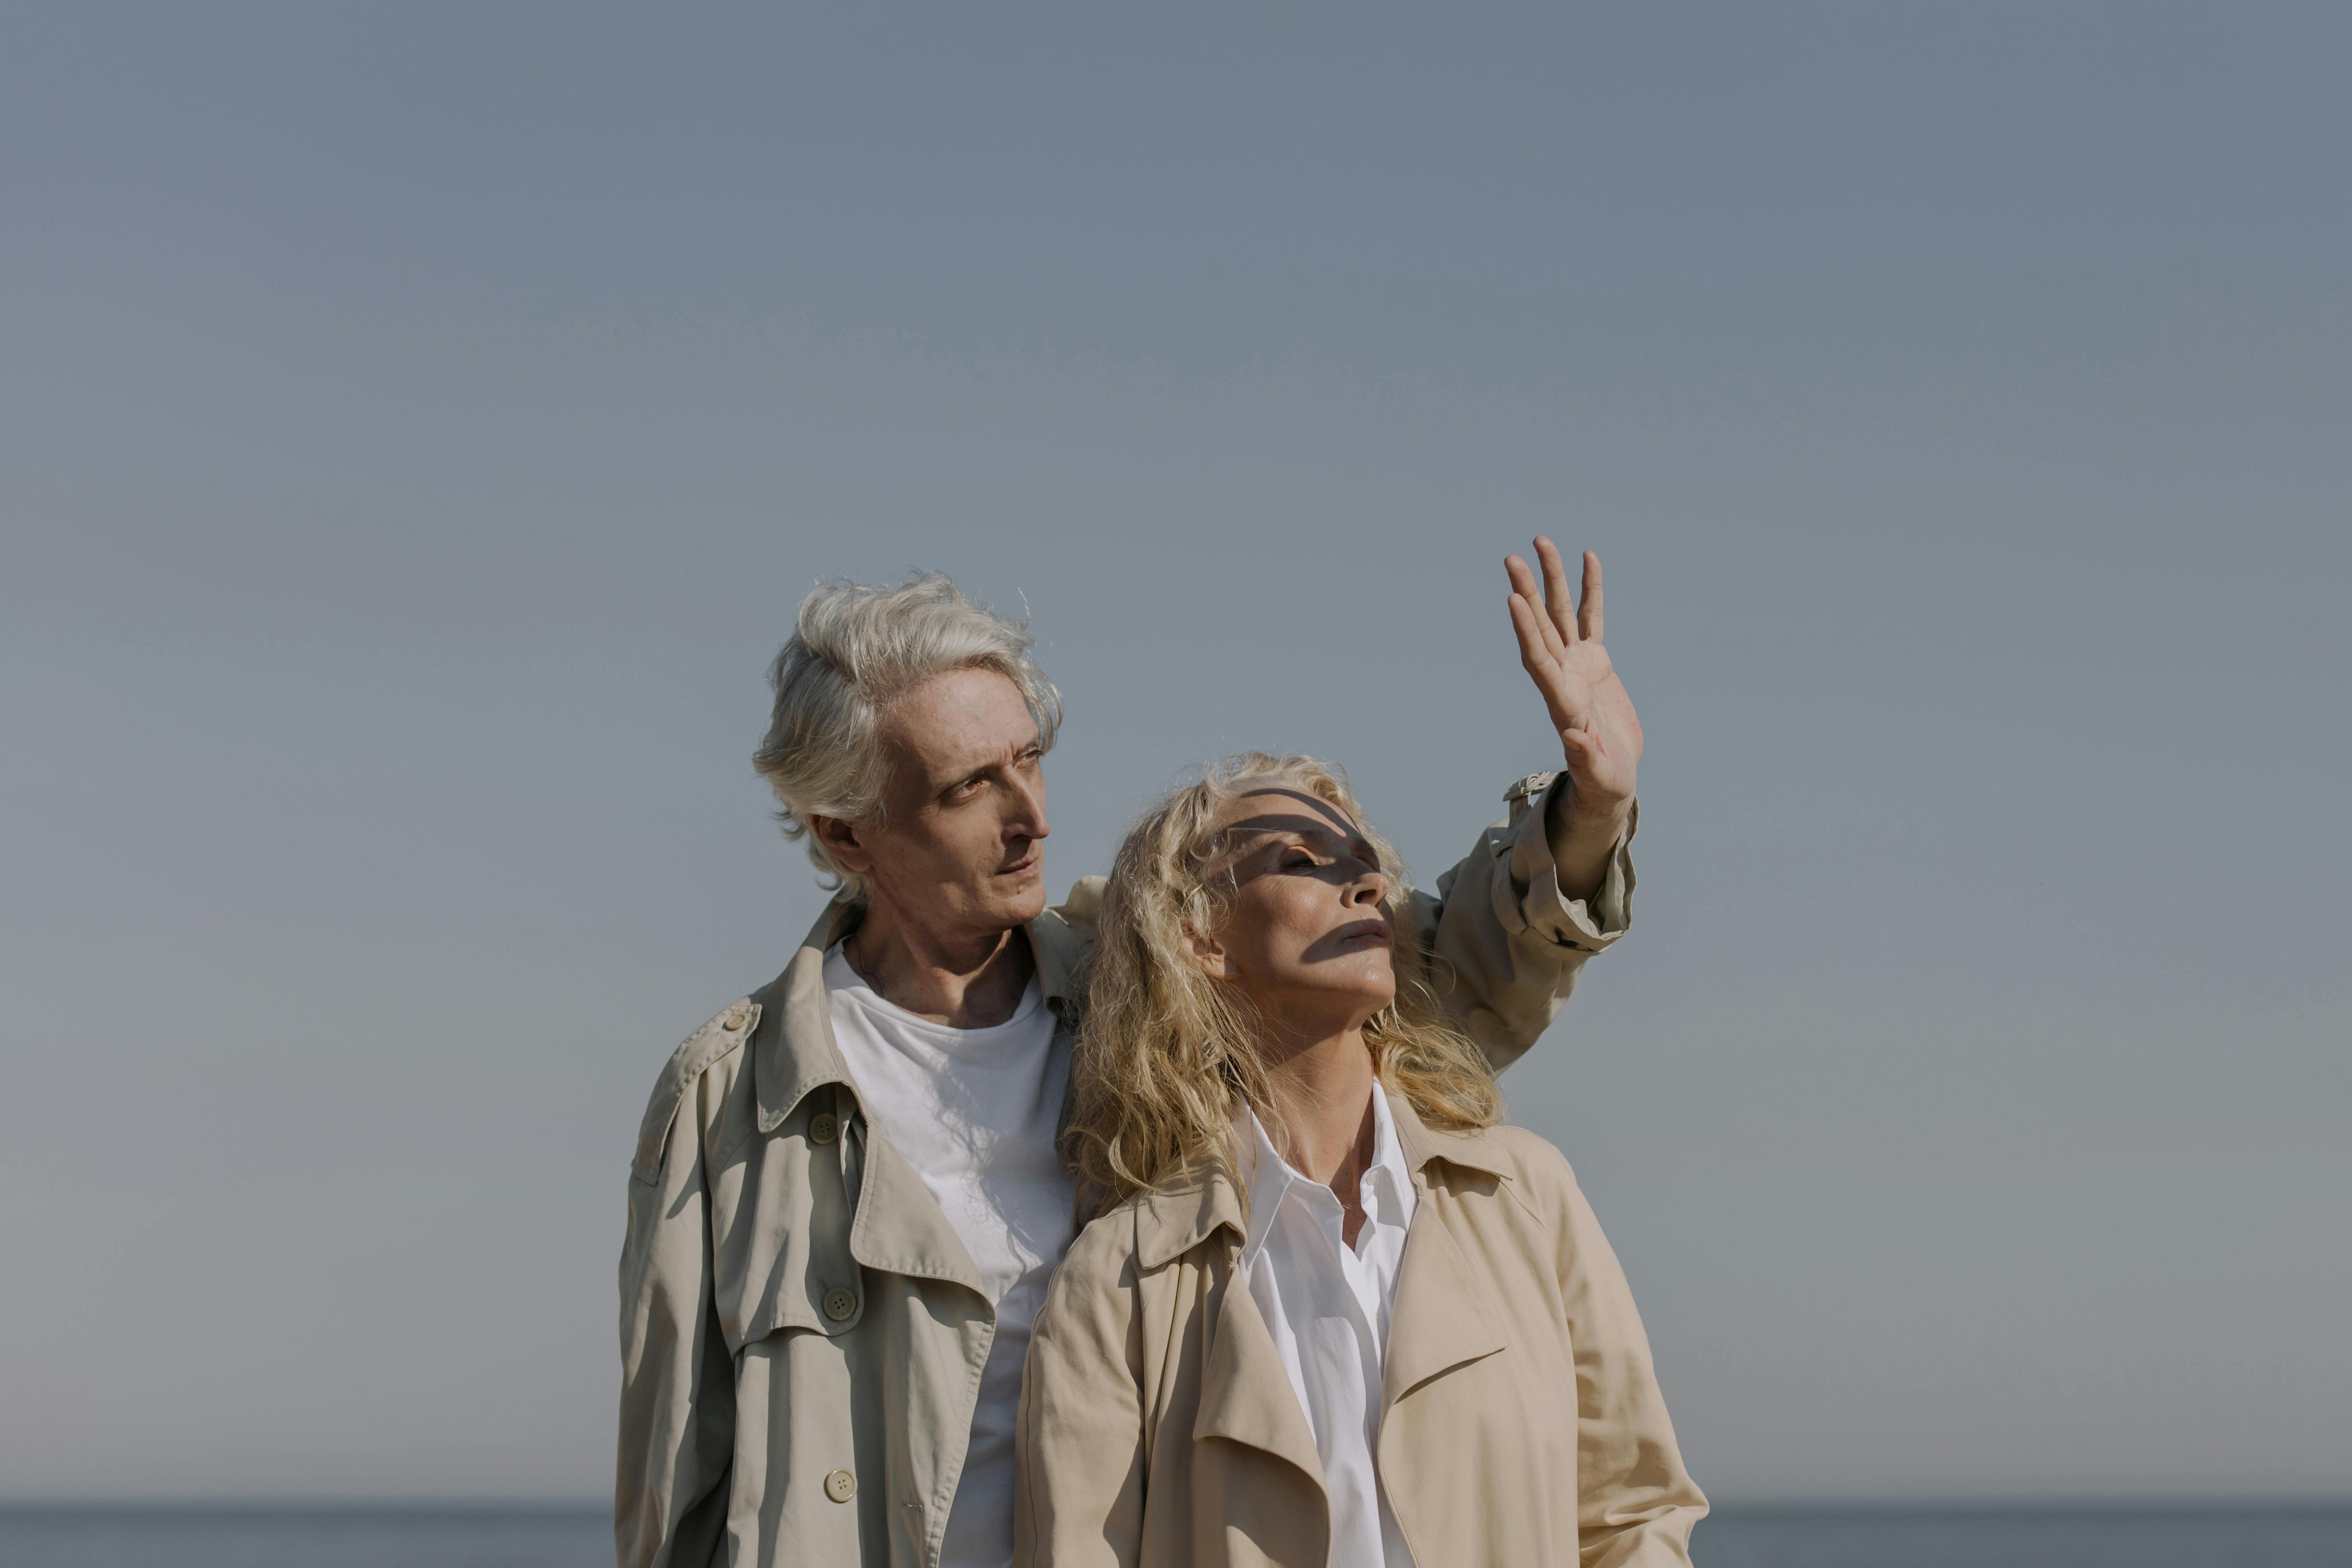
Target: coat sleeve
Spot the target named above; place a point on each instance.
(1080, 1438)
(1637, 1503)
(1501, 943)
(677, 1390)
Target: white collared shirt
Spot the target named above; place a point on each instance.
(1327, 1307)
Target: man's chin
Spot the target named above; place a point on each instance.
(1021, 897)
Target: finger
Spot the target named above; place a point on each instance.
(1543, 666)
(1596, 771)
(1557, 605)
(1528, 628)
(1523, 583)
(1588, 608)
(1584, 750)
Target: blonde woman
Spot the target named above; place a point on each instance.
(1331, 1310)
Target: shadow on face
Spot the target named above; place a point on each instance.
(1301, 928)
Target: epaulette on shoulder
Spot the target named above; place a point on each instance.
(1083, 908)
(722, 1035)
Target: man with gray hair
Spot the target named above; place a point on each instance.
(847, 1199)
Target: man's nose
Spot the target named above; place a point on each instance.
(1028, 819)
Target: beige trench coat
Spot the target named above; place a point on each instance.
(802, 1331)
(1520, 1421)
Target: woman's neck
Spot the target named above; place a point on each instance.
(1321, 1118)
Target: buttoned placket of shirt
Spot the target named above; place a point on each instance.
(1369, 1270)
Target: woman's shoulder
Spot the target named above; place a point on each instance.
(1534, 1169)
(1140, 1234)
(1105, 1243)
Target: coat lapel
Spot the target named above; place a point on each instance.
(793, 1048)
(1245, 1394)
(1441, 1319)
(900, 1227)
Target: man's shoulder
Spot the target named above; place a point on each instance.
(1062, 938)
(1081, 911)
(717, 1046)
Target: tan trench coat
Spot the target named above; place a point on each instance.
(1520, 1421)
(803, 1331)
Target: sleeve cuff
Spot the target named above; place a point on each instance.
(1533, 887)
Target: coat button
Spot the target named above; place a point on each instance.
(841, 1486)
(823, 1128)
(841, 1306)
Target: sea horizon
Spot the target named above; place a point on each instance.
(575, 1532)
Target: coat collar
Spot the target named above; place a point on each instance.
(900, 1226)
(1172, 1222)
(1177, 1218)
(1476, 1149)
(1439, 1322)
(791, 1043)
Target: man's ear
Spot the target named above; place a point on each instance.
(839, 838)
(1209, 953)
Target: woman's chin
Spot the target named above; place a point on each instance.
(1375, 992)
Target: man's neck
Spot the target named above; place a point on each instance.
(964, 980)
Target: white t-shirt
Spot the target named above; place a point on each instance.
(975, 1112)
(1327, 1306)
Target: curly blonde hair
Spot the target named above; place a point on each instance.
(1164, 1049)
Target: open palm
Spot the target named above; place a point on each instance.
(1561, 648)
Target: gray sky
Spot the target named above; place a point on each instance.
(417, 424)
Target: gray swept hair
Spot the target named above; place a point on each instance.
(853, 648)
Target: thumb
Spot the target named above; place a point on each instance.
(1582, 744)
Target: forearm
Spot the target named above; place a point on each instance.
(1503, 940)
(1583, 839)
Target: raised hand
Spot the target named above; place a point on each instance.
(1559, 645)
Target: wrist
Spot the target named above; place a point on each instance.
(1584, 836)
(1577, 816)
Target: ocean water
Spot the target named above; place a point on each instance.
(293, 1537)
(2041, 1537)
(580, 1537)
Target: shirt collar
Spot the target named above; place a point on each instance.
(1191, 1209)
(1269, 1177)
